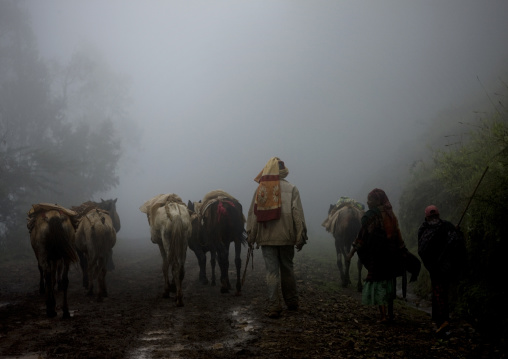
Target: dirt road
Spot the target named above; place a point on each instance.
(136, 322)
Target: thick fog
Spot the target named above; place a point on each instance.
(345, 92)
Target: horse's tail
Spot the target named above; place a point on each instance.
(236, 220)
(177, 233)
(59, 241)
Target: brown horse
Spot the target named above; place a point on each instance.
(344, 223)
(221, 221)
(170, 229)
(198, 245)
(95, 237)
(52, 239)
(109, 206)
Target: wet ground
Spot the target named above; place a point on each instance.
(136, 322)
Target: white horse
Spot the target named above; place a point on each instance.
(170, 229)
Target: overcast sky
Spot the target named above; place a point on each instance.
(342, 91)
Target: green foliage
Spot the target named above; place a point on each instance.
(449, 182)
(59, 136)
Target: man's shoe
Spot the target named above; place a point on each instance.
(443, 327)
(274, 314)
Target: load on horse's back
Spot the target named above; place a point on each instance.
(344, 223)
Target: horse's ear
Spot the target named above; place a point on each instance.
(114, 201)
(102, 200)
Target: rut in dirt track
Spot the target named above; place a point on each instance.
(136, 322)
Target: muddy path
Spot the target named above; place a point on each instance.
(136, 322)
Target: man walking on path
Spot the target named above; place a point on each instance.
(276, 223)
(442, 250)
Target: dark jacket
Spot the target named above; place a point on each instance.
(442, 249)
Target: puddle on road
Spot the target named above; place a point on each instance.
(154, 343)
(26, 356)
(5, 304)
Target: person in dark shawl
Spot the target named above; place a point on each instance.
(442, 249)
(380, 246)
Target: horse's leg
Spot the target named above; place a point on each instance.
(223, 253)
(84, 267)
(59, 270)
(165, 269)
(49, 275)
(110, 265)
(238, 264)
(101, 278)
(201, 257)
(92, 273)
(339, 262)
(347, 265)
(177, 271)
(359, 266)
(41, 280)
(65, 286)
(213, 262)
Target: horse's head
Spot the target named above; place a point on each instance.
(110, 206)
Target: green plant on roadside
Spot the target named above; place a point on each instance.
(448, 181)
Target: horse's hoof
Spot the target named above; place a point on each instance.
(51, 313)
(203, 281)
(213, 283)
(100, 299)
(179, 304)
(66, 315)
(224, 290)
(165, 295)
(238, 294)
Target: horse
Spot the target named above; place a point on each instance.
(95, 238)
(109, 206)
(344, 222)
(52, 235)
(220, 222)
(199, 247)
(170, 228)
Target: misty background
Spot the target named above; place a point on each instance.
(348, 94)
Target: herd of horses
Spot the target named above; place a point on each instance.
(87, 233)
